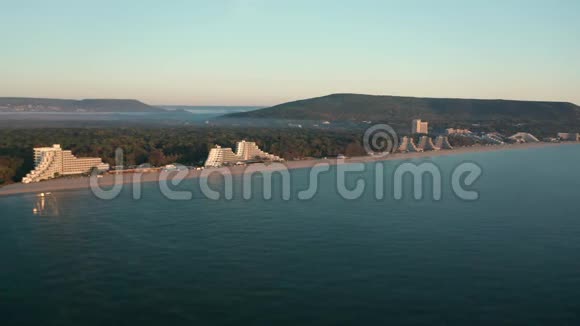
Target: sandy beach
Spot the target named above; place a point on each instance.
(71, 183)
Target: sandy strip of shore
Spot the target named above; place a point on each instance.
(72, 183)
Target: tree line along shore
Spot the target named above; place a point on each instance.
(184, 145)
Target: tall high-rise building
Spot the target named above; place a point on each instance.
(219, 156)
(50, 162)
(249, 150)
(419, 127)
(245, 151)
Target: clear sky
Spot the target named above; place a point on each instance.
(262, 52)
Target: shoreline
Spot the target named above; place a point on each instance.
(80, 182)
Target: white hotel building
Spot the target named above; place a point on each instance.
(50, 162)
(220, 156)
(419, 127)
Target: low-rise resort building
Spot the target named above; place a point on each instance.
(51, 162)
(442, 142)
(426, 144)
(407, 145)
(453, 131)
(568, 136)
(524, 137)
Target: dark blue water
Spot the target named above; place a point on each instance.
(511, 257)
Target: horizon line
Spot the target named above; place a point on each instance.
(284, 102)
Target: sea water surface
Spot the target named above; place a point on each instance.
(511, 257)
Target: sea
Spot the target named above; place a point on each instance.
(511, 256)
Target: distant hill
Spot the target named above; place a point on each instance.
(359, 107)
(22, 104)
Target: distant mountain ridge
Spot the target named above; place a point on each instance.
(361, 107)
(23, 104)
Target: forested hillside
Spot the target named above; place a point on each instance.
(396, 108)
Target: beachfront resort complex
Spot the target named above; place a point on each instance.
(246, 151)
(51, 162)
(420, 128)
